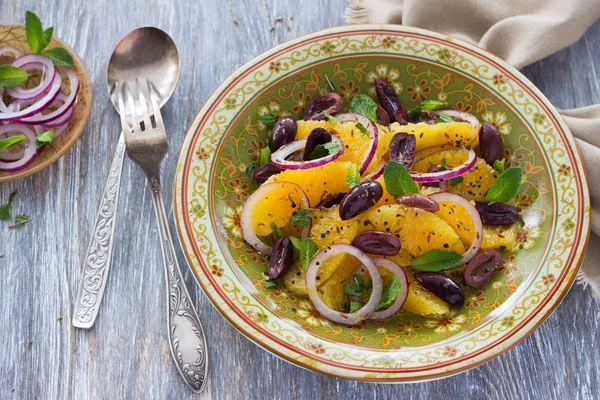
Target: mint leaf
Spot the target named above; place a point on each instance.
(324, 150)
(276, 231)
(398, 180)
(270, 285)
(433, 105)
(301, 217)
(305, 250)
(265, 155)
(500, 165)
(331, 86)
(331, 119)
(443, 119)
(12, 76)
(353, 176)
(269, 118)
(44, 138)
(389, 294)
(436, 260)
(364, 105)
(444, 164)
(362, 129)
(21, 220)
(457, 180)
(357, 287)
(11, 141)
(33, 31)
(46, 38)
(506, 186)
(355, 306)
(60, 57)
(250, 168)
(5, 209)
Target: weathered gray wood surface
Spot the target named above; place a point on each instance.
(126, 355)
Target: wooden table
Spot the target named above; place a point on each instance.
(126, 355)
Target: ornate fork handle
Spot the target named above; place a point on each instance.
(186, 337)
(99, 253)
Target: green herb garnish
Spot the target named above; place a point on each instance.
(265, 155)
(427, 105)
(21, 220)
(38, 39)
(11, 141)
(331, 119)
(270, 284)
(44, 138)
(5, 209)
(250, 168)
(362, 129)
(305, 250)
(398, 180)
(436, 260)
(60, 57)
(353, 176)
(323, 150)
(355, 306)
(276, 231)
(269, 118)
(500, 165)
(389, 294)
(364, 105)
(443, 119)
(457, 180)
(357, 287)
(301, 217)
(12, 76)
(506, 186)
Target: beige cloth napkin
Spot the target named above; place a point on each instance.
(521, 32)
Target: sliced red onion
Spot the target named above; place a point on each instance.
(246, 218)
(7, 49)
(402, 295)
(279, 158)
(30, 62)
(39, 118)
(477, 223)
(373, 133)
(31, 151)
(427, 177)
(66, 118)
(37, 107)
(313, 293)
(377, 172)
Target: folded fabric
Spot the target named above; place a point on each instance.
(521, 32)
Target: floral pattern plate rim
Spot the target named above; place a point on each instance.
(14, 35)
(210, 187)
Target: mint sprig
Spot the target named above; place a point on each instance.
(364, 105)
(353, 176)
(506, 186)
(389, 294)
(427, 105)
(362, 129)
(331, 118)
(44, 138)
(11, 141)
(304, 250)
(268, 118)
(500, 165)
(436, 260)
(398, 180)
(357, 287)
(38, 39)
(443, 119)
(302, 217)
(60, 57)
(324, 150)
(5, 208)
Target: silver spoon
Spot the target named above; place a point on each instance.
(144, 53)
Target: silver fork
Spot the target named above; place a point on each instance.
(146, 142)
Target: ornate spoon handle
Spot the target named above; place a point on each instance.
(99, 253)
(186, 337)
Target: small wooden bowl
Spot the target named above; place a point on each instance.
(14, 35)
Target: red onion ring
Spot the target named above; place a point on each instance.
(9, 49)
(66, 118)
(246, 218)
(39, 118)
(279, 157)
(477, 223)
(426, 177)
(37, 107)
(31, 151)
(402, 295)
(377, 172)
(313, 293)
(30, 62)
(373, 132)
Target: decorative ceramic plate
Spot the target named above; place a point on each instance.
(211, 186)
(14, 35)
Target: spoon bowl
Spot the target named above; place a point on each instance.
(145, 53)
